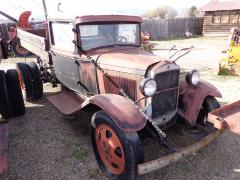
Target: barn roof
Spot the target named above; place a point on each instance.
(218, 5)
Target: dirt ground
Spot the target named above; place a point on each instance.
(45, 145)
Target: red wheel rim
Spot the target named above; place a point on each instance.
(110, 149)
(21, 81)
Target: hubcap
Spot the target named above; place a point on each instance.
(110, 149)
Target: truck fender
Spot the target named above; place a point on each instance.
(122, 111)
(192, 97)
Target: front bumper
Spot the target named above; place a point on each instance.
(156, 164)
(224, 118)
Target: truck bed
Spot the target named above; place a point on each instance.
(230, 115)
(36, 41)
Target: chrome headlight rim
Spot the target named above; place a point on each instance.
(148, 83)
(193, 77)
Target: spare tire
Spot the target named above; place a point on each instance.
(27, 80)
(37, 82)
(5, 108)
(15, 93)
(18, 50)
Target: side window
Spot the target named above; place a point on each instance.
(62, 36)
(217, 17)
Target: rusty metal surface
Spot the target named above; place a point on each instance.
(227, 117)
(120, 109)
(23, 19)
(75, 72)
(3, 148)
(67, 102)
(154, 165)
(191, 99)
(108, 18)
(127, 84)
(125, 59)
(103, 85)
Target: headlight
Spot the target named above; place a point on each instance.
(148, 87)
(193, 77)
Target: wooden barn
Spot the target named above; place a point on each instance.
(220, 16)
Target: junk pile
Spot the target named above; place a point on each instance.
(230, 65)
(145, 41)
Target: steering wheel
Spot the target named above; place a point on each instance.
(122, 39)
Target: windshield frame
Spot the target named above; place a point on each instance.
(113, 45)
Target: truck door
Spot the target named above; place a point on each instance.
(69, 68)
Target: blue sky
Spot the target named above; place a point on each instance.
(14, 7)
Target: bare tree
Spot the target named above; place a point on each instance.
(162, 13)
(192, 11)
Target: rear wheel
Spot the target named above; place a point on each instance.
(37, 82)
(26, 80)
(5, 108)
(117, 153)
(15, 93)
(209, 104)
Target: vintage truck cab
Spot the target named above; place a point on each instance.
(102, 68)
(115, 46)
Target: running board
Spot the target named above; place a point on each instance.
(67, 102)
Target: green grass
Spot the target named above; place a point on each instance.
(79, 154)
(93, 173)
(76, 151)
(185, 169)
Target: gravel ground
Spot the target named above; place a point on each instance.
(45, 145)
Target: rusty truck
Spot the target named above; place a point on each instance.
(130, 93)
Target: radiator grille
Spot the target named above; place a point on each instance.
(165, 101)
(128, 85)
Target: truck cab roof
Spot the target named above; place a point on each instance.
(88, 19)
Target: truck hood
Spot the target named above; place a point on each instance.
(131, 59)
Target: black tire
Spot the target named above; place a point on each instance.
(15, 93)
(37, 82)
(209, 104)
(28, 81)
(4, 47)
(131, 147)
(18, 50)
(5, 108)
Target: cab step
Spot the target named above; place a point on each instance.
(66, 101)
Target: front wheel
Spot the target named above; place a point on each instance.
(209, 104)
(118, 153)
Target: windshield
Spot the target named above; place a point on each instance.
(102, 35)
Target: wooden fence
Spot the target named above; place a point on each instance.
(171, 28)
